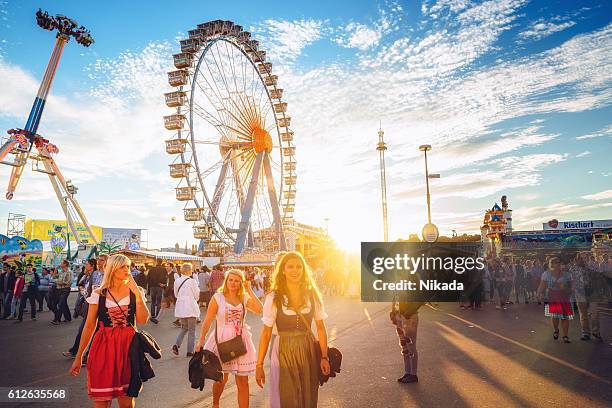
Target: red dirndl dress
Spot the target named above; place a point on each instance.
(108, 364)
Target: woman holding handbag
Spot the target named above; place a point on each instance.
(289, 309)
(116, 307)
(232, 341)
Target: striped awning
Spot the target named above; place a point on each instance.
(170, 256)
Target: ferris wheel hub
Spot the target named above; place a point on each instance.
(262, 141)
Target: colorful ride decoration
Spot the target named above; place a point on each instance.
(58, 241)
(20, 250)
(233, 149)
(497, 222)
(109, 248)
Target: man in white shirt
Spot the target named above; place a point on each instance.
(186, 292)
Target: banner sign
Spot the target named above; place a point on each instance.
(561, 225)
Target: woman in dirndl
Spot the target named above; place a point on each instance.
(228, 308)
(114, 308)
(289, 309)
(556, 287)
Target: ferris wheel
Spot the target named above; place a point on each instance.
(233, 150)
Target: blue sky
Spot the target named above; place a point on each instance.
(515, 97)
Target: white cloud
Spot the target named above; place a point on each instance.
(584, 154)
(528, 196)
(515, 171)
(603, 195)
(359, 36)
(364, 36)
(605, 132)
(541, 29)
(284, 40)
(437, 7)
(441, 52)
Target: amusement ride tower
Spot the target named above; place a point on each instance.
(21, 141)
(381, 147)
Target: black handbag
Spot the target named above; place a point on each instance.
(233, 348)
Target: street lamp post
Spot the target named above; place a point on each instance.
(430, 231)
(425, 149)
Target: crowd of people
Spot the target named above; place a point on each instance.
(288, 306)
(289, 300)
(20, 286)
(566, 285)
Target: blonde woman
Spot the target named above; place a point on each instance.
(229, 308)
(289, 309)
(115, 307)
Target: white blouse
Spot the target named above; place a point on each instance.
(269, 311)
(94, 299)
(187, 297)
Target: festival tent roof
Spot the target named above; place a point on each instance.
(172, 256)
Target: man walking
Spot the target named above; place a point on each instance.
(405, 317)
(203, 280)
(158, 279)
(3, 272)
(98, 275)
(30, 292)
(64, 281)
(169, 298)
(520, 281)
(43, 289)
(9, 279)
(85, 288)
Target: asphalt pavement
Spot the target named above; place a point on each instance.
(487, 358)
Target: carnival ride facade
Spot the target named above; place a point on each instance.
(22, 142)
(233, 149)
(498, 236)
(497, 221)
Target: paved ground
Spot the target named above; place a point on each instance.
(486, 358)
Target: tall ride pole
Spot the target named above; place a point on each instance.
(381, 147)
(35, 113)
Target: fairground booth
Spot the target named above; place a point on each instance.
(558, 238)
(148, 258)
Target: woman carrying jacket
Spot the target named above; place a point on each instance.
(115, 307)
(228, 308)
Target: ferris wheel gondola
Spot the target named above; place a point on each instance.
(233, 148)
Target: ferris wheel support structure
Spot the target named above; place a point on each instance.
(22, 141)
